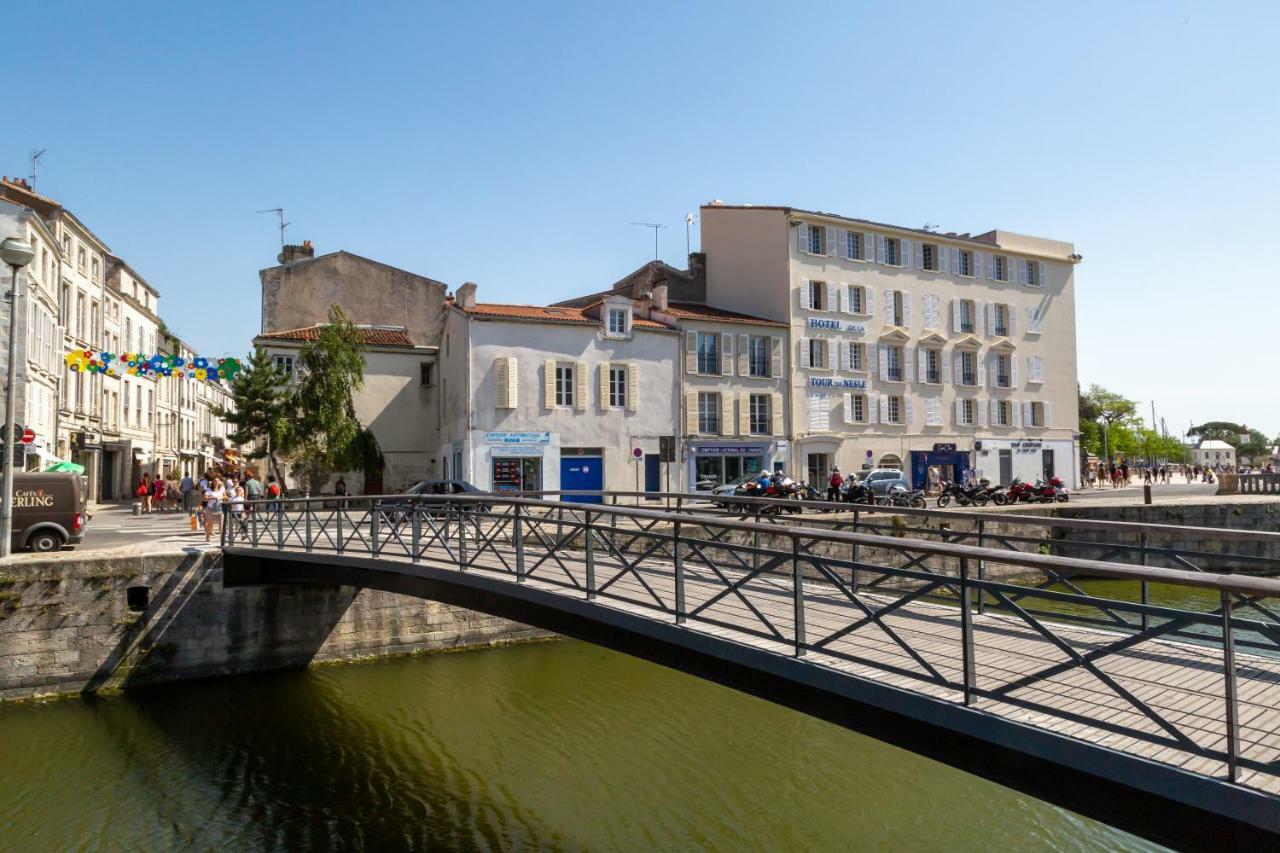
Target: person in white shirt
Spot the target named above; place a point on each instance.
(214, 496)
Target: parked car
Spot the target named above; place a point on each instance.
(48, 511)
(398, 510)
(880, 480)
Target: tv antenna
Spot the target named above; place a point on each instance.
(279, 212)
(688, 221)
(929, 226)
(35, 165)
(656, 227)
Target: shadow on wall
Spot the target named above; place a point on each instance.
(181, 623)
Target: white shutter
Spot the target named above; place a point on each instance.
(503, 376)
(991, 318)
(884, 407)
(872, 413)
(804, 353)
(906, 309)
(888, 305)
(831, 296)
(994, 408)
(904, 254)
(831, 242)
(883, 366)
(957, 365)
(1024, 271)
(805, 302)
(955, 315)
(908, 413)
(603, 387)
(935, 411)
(744, 351)
(908, 364)
(922, 366)
(833, 358)
(690, 352)
(633, 386)
(979, 314)
(848, 407)
(869, 301)
(944, 368)
(880, 248)
(955, 262)
(841, 304)
(1026, 414)
(979, 369)
(726, 354)
(775, 357)
(959, 412)
(982, 413)
(868, 246)
(691, 412)
(1033, 321)
(775, 411)
(744, 414)
(1013, 371)
(991, 267)
(944, 256)
(549, 383)
(580, 386)
(1048, 413)
(1043, 270)
(1011, 320)
(726, 413)
(802, 237)
(843, 347)
(1037, 369)
(872, 364)
(991, 370)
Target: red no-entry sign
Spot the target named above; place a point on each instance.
(28, 435)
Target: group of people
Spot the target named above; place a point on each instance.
(1119, 475)
(206, 496)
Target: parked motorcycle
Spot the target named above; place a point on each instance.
(857, 492)
(978, 494)
(899, 496)
(1037, 492)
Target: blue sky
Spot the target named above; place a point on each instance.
(511, 145)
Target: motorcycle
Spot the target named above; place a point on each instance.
(1038, 492)
(857, 492)
(899, 496)
(978, 494)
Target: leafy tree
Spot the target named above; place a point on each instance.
(1118, 413)
(261, 405)
(1220, 431)
(324, 433)
(1256, 449)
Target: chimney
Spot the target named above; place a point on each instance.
(293, 253)
(466, 296)
(658, 297)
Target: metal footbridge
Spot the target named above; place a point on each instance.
(1083, 662)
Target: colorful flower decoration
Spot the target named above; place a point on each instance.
(156, 364)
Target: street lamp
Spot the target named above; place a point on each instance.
(17, 253)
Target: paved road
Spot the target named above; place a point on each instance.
(115, 525)
(1158, 492)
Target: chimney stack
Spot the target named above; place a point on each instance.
(658, 297)
(466, 296)
(294, 253)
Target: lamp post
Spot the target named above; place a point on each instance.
(17, 253)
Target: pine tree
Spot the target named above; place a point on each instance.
(261, 407)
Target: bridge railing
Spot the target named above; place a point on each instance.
(938, 615)
(1259, 484)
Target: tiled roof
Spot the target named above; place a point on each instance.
(551, 314)
(379, 336)
(695, 311)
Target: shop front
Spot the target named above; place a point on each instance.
(715, 463)
(1028, 459)
(944, 463)
(512, 461)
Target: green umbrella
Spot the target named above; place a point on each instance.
(59, 467)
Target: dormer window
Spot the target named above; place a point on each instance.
(618, 321)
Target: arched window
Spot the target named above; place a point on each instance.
(890, 460)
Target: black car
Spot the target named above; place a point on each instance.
(398, 510)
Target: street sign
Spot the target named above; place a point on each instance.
(17, 430)
(667, 448)
(637, 452)
(28, 435)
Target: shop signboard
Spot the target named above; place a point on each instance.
(838, 325)
(511, 438)
(733, 449)
(831, 382)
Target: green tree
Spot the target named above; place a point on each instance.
(324, 433)
(1220, 431)
(1257, 449)
(1116, 412)
(261, 405)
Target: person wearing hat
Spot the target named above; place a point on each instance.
(834, 484)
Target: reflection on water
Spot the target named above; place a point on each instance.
(558, 745)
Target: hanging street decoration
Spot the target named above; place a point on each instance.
(158, 364)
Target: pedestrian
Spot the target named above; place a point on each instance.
(273, 492)
(144, 491)
(188, 486)
(157, 494)
(214, 495)
(834, 484)
(237, 508)
(252, 490)
(340, 488)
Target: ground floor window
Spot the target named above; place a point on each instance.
(818, 468)
(516, 473)
(890, 460)
(711, 471)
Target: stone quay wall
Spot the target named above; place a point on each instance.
(87, 623)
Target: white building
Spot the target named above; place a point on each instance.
(132, 408)
(929, 352)
(559, 398)
(1214, 453)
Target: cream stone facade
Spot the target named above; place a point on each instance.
(935, 353)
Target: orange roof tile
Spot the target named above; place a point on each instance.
(393, 336)
(697, 311)
(548, 314)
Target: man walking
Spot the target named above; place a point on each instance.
(187, 487)
(252, 490)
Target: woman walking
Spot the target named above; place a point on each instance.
(214, 495)
(157, 494)
(144, 491)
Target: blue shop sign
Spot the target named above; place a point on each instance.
(517, 437)
(829, 382)
(837, 325)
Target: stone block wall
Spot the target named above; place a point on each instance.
(67, 625)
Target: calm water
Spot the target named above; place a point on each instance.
(557, 745)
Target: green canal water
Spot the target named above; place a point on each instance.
(554, 746)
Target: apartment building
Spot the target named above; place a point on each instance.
(129, 402)
(555, 398)
(933, 353)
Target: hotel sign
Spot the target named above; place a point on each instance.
(829, 382)
(838, 325)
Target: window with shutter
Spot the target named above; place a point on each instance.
(633, 386)
(775, 412)
(580, 386)
(775, 360)
(726, 354)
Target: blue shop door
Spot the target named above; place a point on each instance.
(582, 474)
(652, 472)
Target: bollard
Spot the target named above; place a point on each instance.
(1146, 493)
(137, 507)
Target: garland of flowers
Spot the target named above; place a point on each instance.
(158, 364)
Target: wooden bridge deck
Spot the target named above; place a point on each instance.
(917, 647)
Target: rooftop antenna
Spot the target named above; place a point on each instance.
(929, 226)
(279, 212)
(35, 165)
(655, 226)
(688, 220)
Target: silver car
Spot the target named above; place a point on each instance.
(882, 479)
